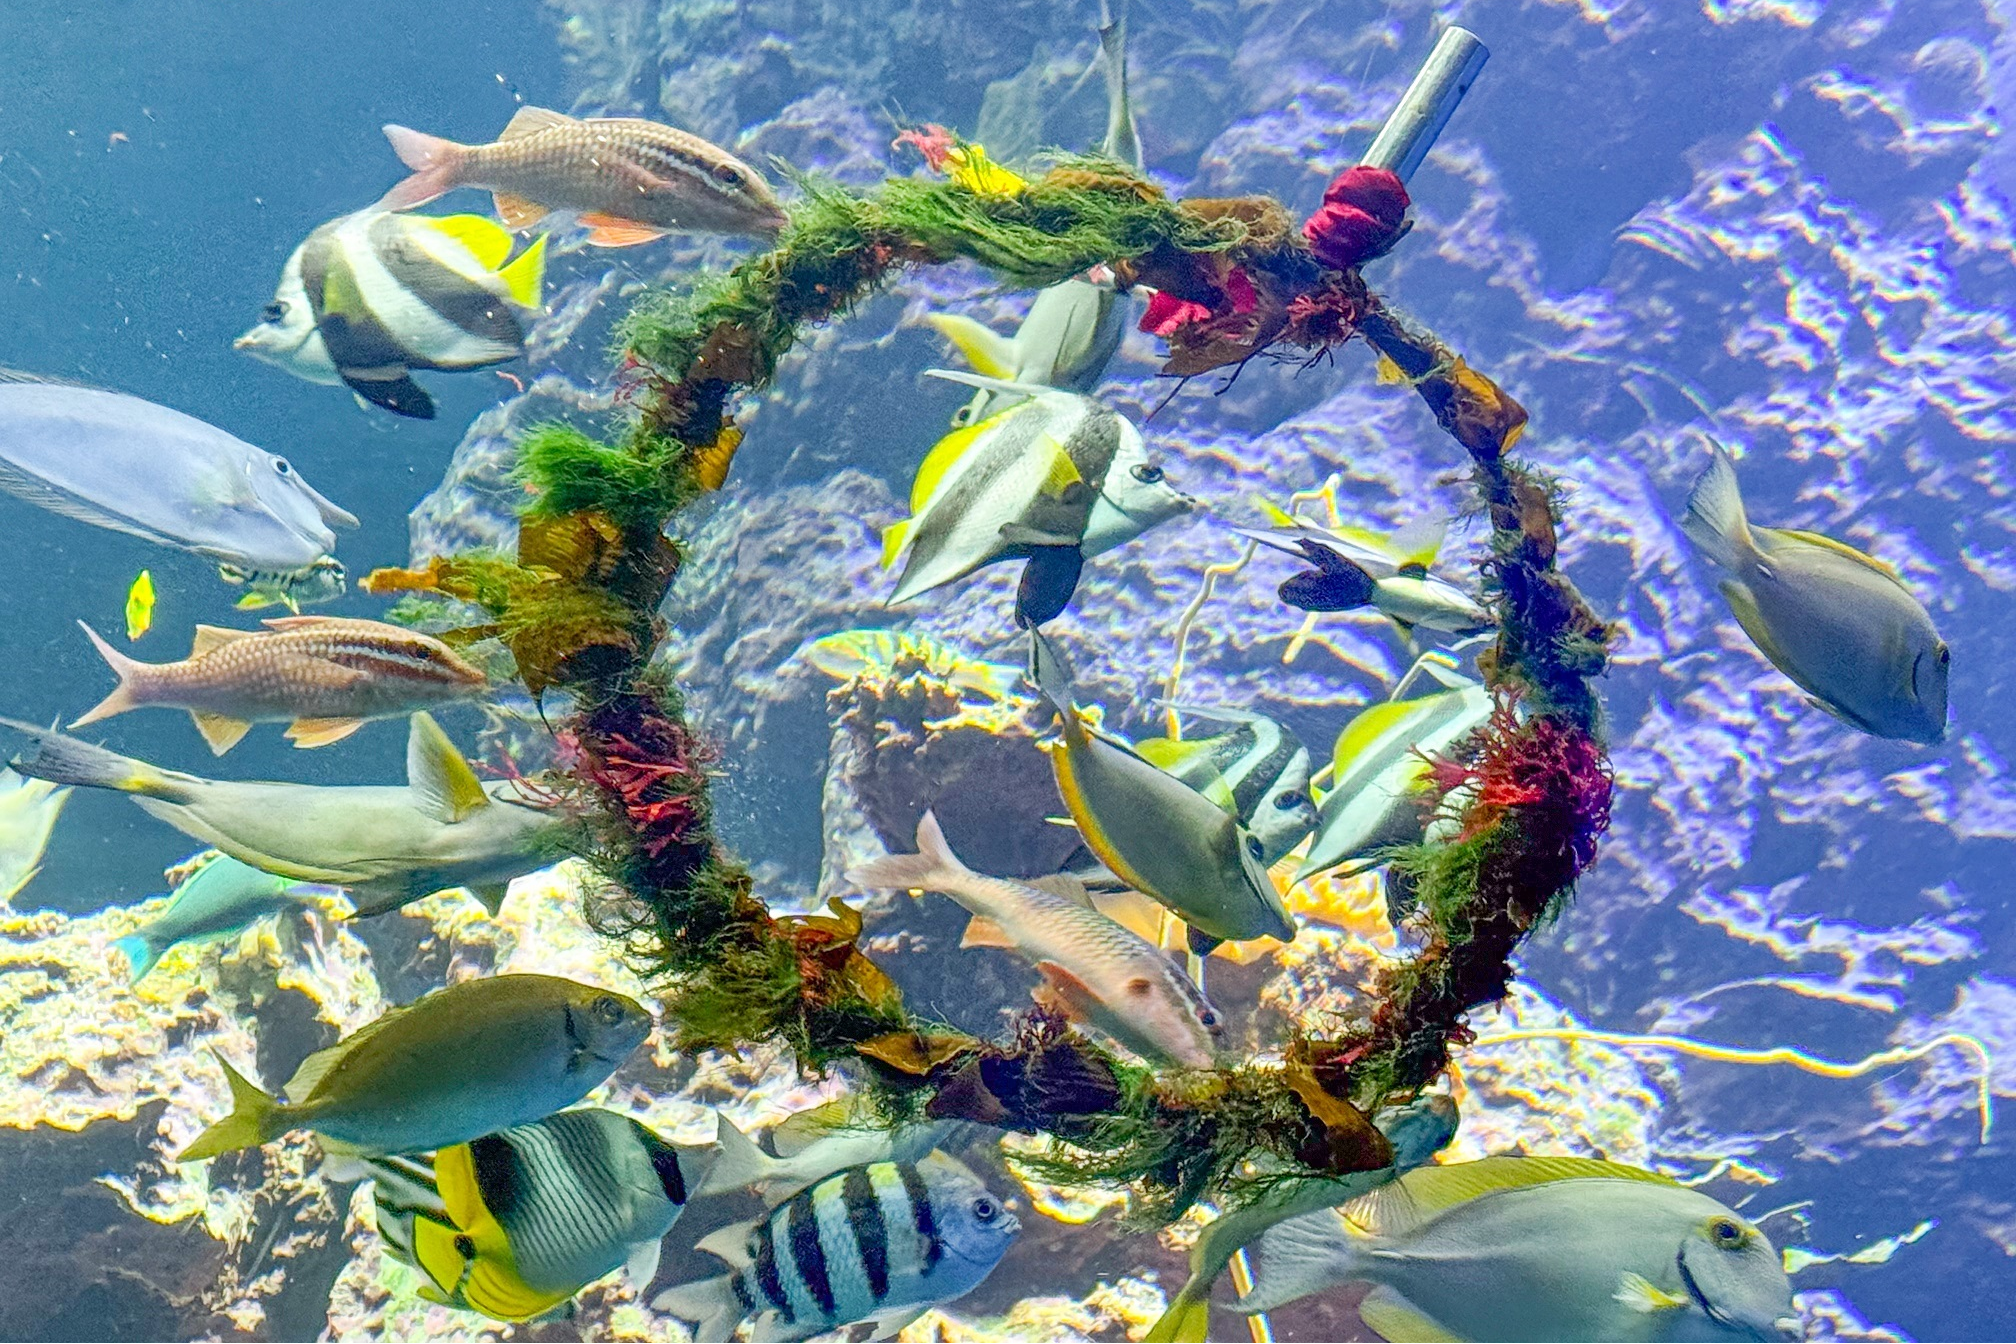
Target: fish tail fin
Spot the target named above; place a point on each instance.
(930, 868)
(1714, 521)
(741, 1165)
(1188, 1318)
(125, 695)
(1123, 140)
(1049, 671)
(710, 1303)
(1298, 1257)
(434, 161)
(986, 349)
(65, 760)
(250, 1123)
(140, 954)
(526, 276)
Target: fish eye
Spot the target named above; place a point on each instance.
(1209, 1018)
(282, 466)
(726, 175)
(275, 311)
(985, 1210)
(1945, 656)
(1254, 847)
(1284, 801)
(1147, 474)
(608, 1009)
(1726, 1232)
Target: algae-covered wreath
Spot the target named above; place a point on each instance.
(578, 609)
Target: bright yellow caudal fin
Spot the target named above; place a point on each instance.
(253, 1120)
(525, 276)
(484, 237)
(1188, 1320)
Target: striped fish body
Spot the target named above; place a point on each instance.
(1374, 800)
(332, 672)
(1264, 767)
(881, 1242)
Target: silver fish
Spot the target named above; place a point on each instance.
(811, 1146)
(28, 812)
(222, 897)
(1840, 624)
(386, 845)
(129, 465)
(1097, 970)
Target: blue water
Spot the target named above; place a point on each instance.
(1784, 223)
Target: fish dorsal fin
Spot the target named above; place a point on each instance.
(800, 1130)
(208, 637)
(316, 1067)
(517, 212)
(730, 1243)
(1427, 1191)
(285, 623)
(1418, 543)
(1393, 1317)
(1063, 886)
(448, 789)
(489, 243)
(1840, 548)
(984, 932)
(947, 451)
(530, 120)
(526, 276)
(1372, 723)
(986, 349)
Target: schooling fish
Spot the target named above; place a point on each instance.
(1053, 480)
(125, 464)
(452, 1066)
(1377, 771)
(629, 180)
(533, 1214)
(218, 899)
(881, 1243)
(1073, 328)
(1157, 834)
(1098, 971)
(386, 845)
(1556, 1248)
(1840, 624)
(322, 675)
(28, 812)
(1262, 765)
(811, 1146)
(371, 296)
(1408, 597)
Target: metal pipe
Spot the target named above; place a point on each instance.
(1427, 105)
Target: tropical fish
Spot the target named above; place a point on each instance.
(1053, 480)
(531, 1215)
(883, 1242)
(1098, 971)
(125, 464)
(811, 1146)
(322, 675)
(1415, 1131)
(1556, 1248)
(385, 844)
(292, 589)
(1073, 328)
(847, 654)
(369, 297)
(28, 812)
(451, 1066)
(1377, 771)
(1157, 834)
(1409, 597)
(219, 898)
(140, 606)
(629, 180)
(1841, 625)
(1263, 766)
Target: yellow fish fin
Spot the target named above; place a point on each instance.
(455, 1179)
(1220, 792)
(140, 606)
(948, 450)
(893, 537)
(444, 1255)
(254, 1118)
(321, 732)
(1276, 515)
(1744, 607)
(1840, 548)
(1364, 731)
(1170, 753)
(1416, 545)
(208, 637)
(1641, 1294)
(1427, 1191)
(987, 350)
(1393, 1318)
(516, 211)
(1188, 1319)
(526, 276)
(220, 730)
(496, 1289)
(448, 789)
(480, 234)
(1063, 473)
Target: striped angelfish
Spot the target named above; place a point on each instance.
(371, 296)
(1264, 768)
(528, 1217)
(1378, 769)
(880, 1242)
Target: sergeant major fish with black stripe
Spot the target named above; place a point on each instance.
(880, 1243)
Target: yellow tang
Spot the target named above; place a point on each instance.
(140, 606)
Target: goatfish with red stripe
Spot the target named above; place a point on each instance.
(627, 179)
(323, 676)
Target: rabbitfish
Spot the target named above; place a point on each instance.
(1840, 624)
(1536, 1248)
(386, 844)
(122, 463)
(1098, 971)
(322, 675)
(221, 897)
(452, 1066)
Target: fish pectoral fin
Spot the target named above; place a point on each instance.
(399, 395)
(891, 1321)
(1063, 479)
(448, 789)
(984, 932)
(1200, 942)
(1641, 1294)
(730, 1243)
(219, 730)
(1066, 991)
(1393, 1317)
(516, 211)
(615, 231)
(306, 733)
(530, 120)
(642, 1264)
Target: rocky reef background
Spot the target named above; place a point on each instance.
(1782, 222)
